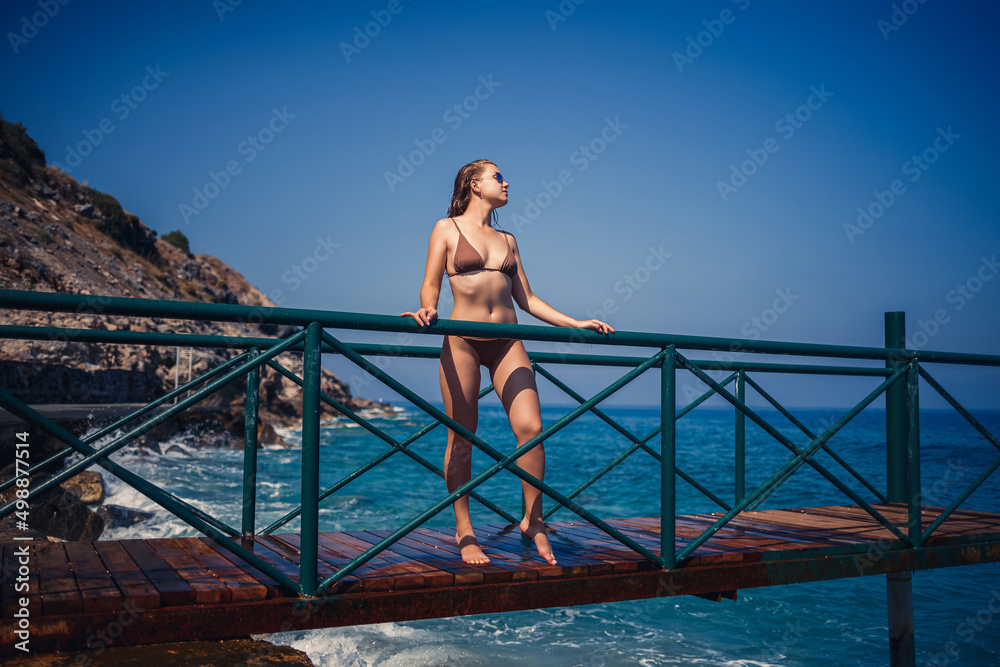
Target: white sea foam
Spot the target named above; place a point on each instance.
(383, 644)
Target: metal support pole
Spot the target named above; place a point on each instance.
(740, 481)
(913, 454)
(899, 596)
(668, 459)
(309, 539)
(899, 411)
(895, 413)
(524, 505)
(250, 448)
(177, 370)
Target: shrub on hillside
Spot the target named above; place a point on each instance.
(19, 154)
(124, 228)
(178, 240)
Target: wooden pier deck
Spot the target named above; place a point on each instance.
(156, 590)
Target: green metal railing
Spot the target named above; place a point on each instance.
(899, 383)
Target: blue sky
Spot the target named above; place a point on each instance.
(713, 155)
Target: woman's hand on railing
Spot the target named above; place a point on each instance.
(595, 325)
(424, 316)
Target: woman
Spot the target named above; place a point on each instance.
(487, 277)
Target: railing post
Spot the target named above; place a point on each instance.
(668, 459)
(309, 538)
(896, 419)
(900, 417)
(250, 447)
(913, 453)
(740, 481)
(177, 370)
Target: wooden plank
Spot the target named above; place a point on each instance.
(273, 588)
(443, 545)
(60, 593)
(567, 553)
(242, 586)
(743, 526)
(610, 551)
(604, 542)
(960, 522)
(763, 524)
(331, 561)
(831, 517)
(446, 542)
(512, 542)
(278, 552)
(854, 521)
(835, 525)
(433, 572)
(706, 554)
(832, 536)
(95, 581)
(795, 523)
(988, 518)
(751, 543)
(208, 589)
(210, 622)
(957, 523)
(451, 562)
(362, 541)
(644, 531)
(386, 563)
(10, 562)
(138, 593)
(515, 552)
(173, 589)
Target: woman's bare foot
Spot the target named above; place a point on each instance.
(471, 552)
(536, 533)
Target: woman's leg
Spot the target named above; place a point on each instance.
(515, 385)
(460, 379)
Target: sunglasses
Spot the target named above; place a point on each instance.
(497, 175)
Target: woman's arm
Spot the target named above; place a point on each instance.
(534, 306)
(430, 289)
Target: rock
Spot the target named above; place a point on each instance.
(266, 435)
(192, 270)
(241, 652)
(58, 513)
(86, 210)
(117, 516)
(30, 216)
(88, 486)
(61, 514)
(9, 531)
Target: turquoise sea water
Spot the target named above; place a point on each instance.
(841, 622)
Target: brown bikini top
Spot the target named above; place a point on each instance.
(468, 258)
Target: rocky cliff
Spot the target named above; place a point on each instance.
(58, 235)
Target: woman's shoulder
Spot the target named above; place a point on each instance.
(442, 225)
(510, 237)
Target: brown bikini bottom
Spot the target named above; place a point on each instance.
(488, 350)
